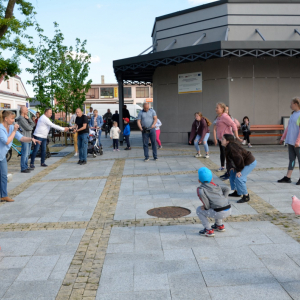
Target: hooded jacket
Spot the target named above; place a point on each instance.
(199, 128)
(214, 196)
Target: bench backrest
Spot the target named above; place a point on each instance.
(266, 127)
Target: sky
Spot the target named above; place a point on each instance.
(114, 29)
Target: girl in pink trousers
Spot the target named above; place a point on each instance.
(157, 128)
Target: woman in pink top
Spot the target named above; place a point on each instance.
(224, 125)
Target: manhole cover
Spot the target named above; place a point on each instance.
(169, 212)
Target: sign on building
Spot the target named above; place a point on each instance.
(190, 83)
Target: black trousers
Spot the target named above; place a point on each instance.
(116, 143)
(127, 140)
(222, 154)
(246, 135)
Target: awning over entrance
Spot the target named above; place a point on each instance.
(140, 69)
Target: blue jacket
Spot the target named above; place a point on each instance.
(99, 121)
(126, 130)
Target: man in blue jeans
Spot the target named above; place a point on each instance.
(40, 133)
(26, 126)
(146, 121)
(81, 126)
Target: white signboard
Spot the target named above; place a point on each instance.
(190, 83)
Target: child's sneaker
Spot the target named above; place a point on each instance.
(198, 155)
(221, 169)
(249, 145)
(118, 149)
(114, 150)
(207, 232)
(218, 227)
(244, 142)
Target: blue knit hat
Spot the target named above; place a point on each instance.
(205, 175)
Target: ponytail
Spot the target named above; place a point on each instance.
(207, 121)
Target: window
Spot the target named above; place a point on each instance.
(92, 94)
(127, 92)
(142, 92)
(17, 87)
(107, 92)
(5, 105)
(8, 84)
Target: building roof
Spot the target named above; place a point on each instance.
(216, 3)
(141, 68)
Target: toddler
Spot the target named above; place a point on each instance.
(126, 133)
(245, 126)
(215, 203)
(114, 135)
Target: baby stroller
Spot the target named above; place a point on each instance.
(93, 144)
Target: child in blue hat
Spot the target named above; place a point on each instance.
(215, 203)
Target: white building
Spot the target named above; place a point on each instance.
(13, 93)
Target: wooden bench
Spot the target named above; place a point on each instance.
(264, 130)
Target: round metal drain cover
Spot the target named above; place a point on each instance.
(169, 212)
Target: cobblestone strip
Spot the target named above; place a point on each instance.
(74, 179)
(42, 226)
(83, 276)
(36, 178)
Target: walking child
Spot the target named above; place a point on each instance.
(114, 135)
(157, 129)
(246, 131)
(215, 203)
(126, 133)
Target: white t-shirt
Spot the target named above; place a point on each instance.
(72, 120)
(43, 126)
(158, 124)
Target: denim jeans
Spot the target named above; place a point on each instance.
(239, 183)
(3, 177)
(82, 146)
(152, 136)
(36, 149)
(197, 139)
(26, 148)
(99, 137)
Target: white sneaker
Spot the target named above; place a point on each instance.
(207, 156)
(244, 142)
(75, 154)
(249, 145)
(198, 155)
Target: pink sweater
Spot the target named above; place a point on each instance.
(224, 125)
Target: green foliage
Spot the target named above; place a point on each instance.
(44, 68)
(73, 72)
(61, 123)
(13, 35)
(61, 72)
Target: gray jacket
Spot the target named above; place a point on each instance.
(26, 125)
(213, 196)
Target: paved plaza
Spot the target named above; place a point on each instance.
(83, 232)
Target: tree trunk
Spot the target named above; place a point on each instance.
(8, 14)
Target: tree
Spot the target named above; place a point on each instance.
(45, 64)
(13, 35)
(72, 73)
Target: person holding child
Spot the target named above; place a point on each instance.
(245, 126)
(126, 133)
(115, 135)
(215, 203)
(200, 132)
(242, 163)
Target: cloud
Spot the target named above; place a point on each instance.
(199, 2)
(94, 59)
(99, 6)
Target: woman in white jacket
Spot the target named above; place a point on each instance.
(157, 128)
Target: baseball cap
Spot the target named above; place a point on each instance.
(126, 119)
(204, 174)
